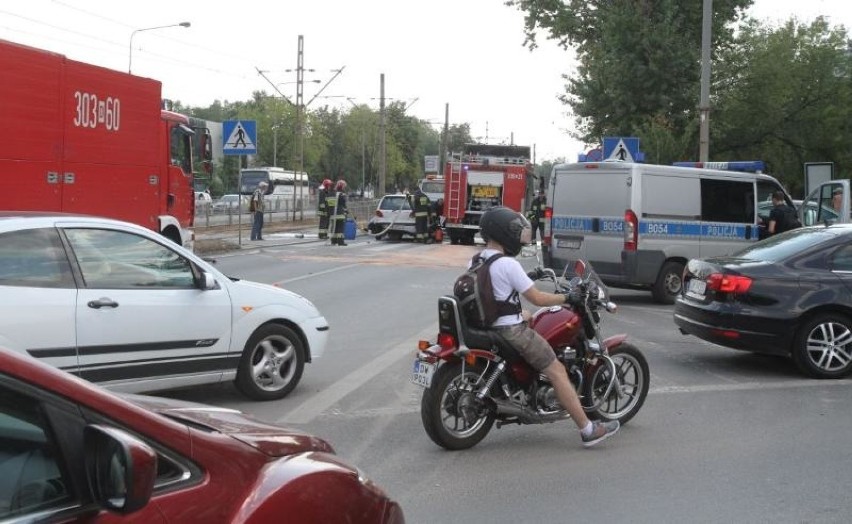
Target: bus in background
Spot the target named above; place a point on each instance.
(282, 185)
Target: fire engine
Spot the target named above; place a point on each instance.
(480, 177)
(80, 138)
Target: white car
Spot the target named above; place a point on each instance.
(393, 218)
(123, 306)
(230, 203)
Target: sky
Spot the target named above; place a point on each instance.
(464, 56)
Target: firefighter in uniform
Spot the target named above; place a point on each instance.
(421, 209)
(536, 215)
(336, 205)
(322, 210)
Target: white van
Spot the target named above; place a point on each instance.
(638, 224)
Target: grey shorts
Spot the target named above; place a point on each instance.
(531, 346)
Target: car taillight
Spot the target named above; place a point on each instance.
(728, 283)
(631, 231)
(447, 341)
(548, 214)
(379, 214)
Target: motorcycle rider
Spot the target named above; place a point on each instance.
(505, 231)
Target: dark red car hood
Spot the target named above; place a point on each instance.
(272, 440)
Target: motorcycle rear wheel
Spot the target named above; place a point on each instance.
(452, 416)
(635, 377)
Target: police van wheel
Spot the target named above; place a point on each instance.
(668, 283)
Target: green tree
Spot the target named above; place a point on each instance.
(784, 95)
(639, 60)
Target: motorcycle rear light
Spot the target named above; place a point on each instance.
(736, 284)
(631, 231)
(447, 341)
(423, 345)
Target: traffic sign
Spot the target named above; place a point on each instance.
(625, 149)
(240, 137)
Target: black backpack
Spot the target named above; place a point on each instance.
(475, 294)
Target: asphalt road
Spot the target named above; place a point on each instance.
(724, 436)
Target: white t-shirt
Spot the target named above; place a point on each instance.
(507, 276)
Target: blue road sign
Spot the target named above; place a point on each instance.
(621, 148)
(240, 137)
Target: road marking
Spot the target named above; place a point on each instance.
(311, 275)
(316, 405)
(748, 386)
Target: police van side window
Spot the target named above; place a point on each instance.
(727, 201)
(670, 197)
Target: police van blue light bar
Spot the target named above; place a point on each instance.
(747, 166)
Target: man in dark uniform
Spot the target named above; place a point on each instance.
(536, 214)
(420, 206)
(322, 210)
(336, 205)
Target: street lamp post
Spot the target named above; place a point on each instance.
(275, 145)
(130, 47)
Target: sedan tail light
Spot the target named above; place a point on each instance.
(379, 214)
(728, 283)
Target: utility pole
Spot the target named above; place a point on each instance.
(300, 86)
(704, 104)
(384, 151)
(442, 156)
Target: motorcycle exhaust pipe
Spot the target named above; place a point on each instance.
(525, 415)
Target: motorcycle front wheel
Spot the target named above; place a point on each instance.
(634, 378)
(452, 415)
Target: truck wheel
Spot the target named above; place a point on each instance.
(669, 283)
(454, 238)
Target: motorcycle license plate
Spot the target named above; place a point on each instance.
(423, 372)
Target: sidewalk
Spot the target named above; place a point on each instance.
(220, 239)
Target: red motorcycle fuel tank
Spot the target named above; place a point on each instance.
(558, 325)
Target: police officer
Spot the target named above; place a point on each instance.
(336, 205)
(322, 209)
(536, 214)
(420, 205)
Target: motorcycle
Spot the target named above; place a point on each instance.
(471, 379)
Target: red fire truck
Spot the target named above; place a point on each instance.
(80, 138)
(480, 177)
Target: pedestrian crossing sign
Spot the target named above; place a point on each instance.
(240, 137)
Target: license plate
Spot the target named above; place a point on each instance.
(423, 372)
(696, 288)
(569, 243)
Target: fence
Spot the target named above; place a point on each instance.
(280, 211)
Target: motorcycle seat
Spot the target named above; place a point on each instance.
(451, 321)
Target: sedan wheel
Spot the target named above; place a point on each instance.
(272, 363)
(824, 347)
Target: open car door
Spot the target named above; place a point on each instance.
(829, 203)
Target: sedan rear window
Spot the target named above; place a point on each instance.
(394, 203)
(785, 245)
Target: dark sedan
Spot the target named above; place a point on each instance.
(790, 294)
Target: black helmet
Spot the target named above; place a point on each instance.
(506, 227)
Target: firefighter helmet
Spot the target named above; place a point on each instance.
(326, 183)
(341, 186)
(506, 227)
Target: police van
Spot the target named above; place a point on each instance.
(638, 224)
